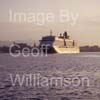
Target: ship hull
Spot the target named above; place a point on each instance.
(64, 50)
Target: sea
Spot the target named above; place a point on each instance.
(51, 77)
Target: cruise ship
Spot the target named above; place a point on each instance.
(59, 44)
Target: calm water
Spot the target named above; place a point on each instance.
(69, 65)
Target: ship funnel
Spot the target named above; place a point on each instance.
(65, 35)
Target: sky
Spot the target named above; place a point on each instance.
(85, 30)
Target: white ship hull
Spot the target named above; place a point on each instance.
(66, 50)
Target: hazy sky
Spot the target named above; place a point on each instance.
(86, 30)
